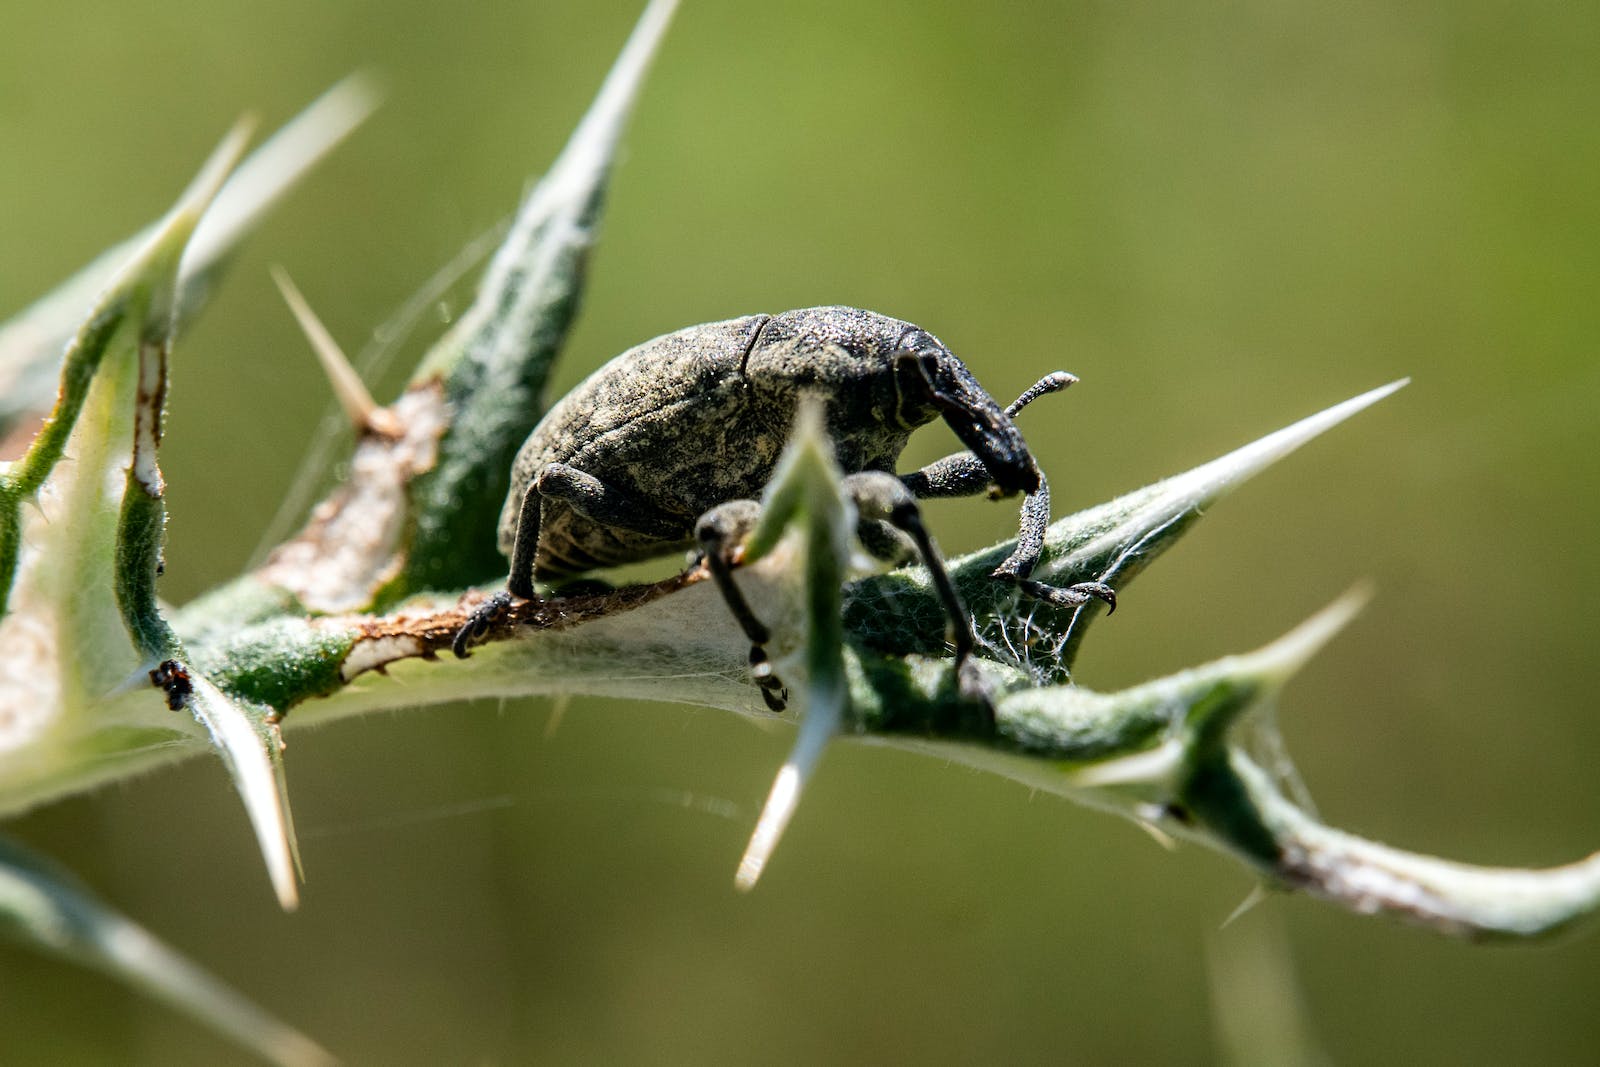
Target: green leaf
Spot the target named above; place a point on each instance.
(44, 907)
(806, 492)
(141, 293)
(31, 342)
(96, 564)
(245, 736)
(1172, 754)
(1111, 543)
(494, 364)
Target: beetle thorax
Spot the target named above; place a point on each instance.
(845, 357)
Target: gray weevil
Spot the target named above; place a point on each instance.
(667, 446)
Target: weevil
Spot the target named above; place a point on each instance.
(666, 447)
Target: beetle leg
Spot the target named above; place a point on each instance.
(881, 497)
(719, 532)
(588, 496)
(479, 623)
(526, 547)
(604, 503)
(959, 474)
(963, 474)
(519, 584)
(885, 543)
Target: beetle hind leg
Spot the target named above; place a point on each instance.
(589, 497)
(719, 532)
(520, 584)
(483, 619)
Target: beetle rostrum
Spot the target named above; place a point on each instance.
(667, 447)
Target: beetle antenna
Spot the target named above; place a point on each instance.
(363, 412)
(1050, 383)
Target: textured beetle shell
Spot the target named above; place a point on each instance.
(698, 417)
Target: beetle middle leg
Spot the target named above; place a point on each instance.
(719, 532)
(963, 474)
(881, 497)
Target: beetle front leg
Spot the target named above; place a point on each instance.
(963, 474)
(719, 533)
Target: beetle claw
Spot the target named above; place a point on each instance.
(483, 618)
(773, 692)
(1072, 596)
(1100, 591)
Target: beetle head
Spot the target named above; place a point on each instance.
(882, 378)
(929, 373)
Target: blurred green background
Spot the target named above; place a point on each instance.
(1222, 217)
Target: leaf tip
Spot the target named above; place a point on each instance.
(1210, 481)
(589, 153)
(208, 182)
(1285, 656)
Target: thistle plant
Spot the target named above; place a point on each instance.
(100, 680)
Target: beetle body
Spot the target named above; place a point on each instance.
(668, 446)
(696, 418)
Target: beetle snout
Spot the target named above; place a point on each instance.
(985, 428)
(967, 408)
(1012, 471)
(1014, 478)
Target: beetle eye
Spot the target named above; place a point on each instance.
(914, 340)
(925, 348)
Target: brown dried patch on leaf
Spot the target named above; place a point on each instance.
(352, 544)
(424, 634)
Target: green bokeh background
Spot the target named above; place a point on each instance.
(1222, 217)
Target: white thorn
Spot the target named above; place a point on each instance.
(362, 411)
(781, 803)
(1147, 818)
(820, 725)
(1257, 894)
(276, 167)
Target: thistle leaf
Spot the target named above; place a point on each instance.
(118, 367)
(1170, 753)
(495, 362)
(1111, 543)
(31, 342)
(246, 737)
(806, 492)
(44, 907)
